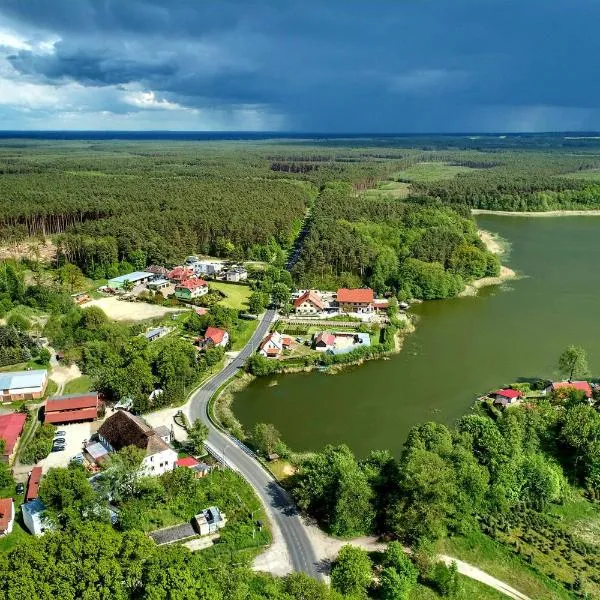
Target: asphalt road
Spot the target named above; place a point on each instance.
(283, 512)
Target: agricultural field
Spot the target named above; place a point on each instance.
(389, 189)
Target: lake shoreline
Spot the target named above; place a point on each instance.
(548, 213)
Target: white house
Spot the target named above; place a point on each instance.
(33, 517)
(123, 429)
(237, 274)
(7, 515)
(216, 337)
(210, 520)
(309, 303)
(274, 344)
(207, 268)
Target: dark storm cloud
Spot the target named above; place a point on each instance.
(338, 65)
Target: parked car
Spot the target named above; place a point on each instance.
(78, 458)
(58, 448)
(20, 488)
(59, 440)
(59, 433)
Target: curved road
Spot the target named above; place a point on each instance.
(285, 520)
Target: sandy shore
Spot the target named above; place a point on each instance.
(549, 213)
(495, 245)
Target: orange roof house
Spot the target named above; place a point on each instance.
(33, 485)
(355, 300)
(11, 427)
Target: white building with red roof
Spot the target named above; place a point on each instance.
(216, 337)
(507, 396)
(191, 288)
(357, 300)
(179, 274)
(274, 344)
(309, 303)
(324, 341)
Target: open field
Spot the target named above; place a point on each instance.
(394, 189)
(236, 296)
(470, 590)
(495, 559)
(430, 171)
(121, 310)
(78, 386)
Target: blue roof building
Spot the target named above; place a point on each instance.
(135, 278)
(22, 385)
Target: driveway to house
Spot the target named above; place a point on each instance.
(292, 549)
(75, 434)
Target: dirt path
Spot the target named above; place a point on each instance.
(327, 549)
(548, 213)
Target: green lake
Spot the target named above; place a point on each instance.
(462, 347)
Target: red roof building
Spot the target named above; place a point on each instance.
(11, 427)
(309, 302)
(355, 300)
(186, 461)
(192, 284)
(582, 386)
(216, 336)
(324, 340)
(71, 408)
(179, 274)
(7, 515)
(33, 485)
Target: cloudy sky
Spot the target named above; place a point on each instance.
(300, 65)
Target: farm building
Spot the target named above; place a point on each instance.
(72, 408)
(22, 385)
(11, 427)
(135, 278)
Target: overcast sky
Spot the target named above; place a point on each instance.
(300, 65)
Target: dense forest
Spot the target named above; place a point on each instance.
(392, 213)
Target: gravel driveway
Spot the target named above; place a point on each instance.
(75, 434)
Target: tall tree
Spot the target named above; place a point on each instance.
(573, 363)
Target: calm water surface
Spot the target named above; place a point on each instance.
(462, 347)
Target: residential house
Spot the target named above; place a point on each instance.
(324, 341)
(165, 434)
(237, 274)
(582, 386)
(123, 429)
(22, 385)
(210, 520)
(33, 484)
(33, 517)
(189, 462)
(158, 271)
(7, 515)
(309, 303)
(72, 408)
(208, 268)
(11, 427)
(507, 396)
(274, 344)
(179, 274)
(358, 300)
(191, 288)
(135, 278)
(216, 337)
(156, 333)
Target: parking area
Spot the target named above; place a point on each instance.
(75, 433)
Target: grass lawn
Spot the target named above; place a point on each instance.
(236, 296)
(241, 335)
(78, 386)
(490, 556)
(470, 590)
(19, 533)
(430, 171)
(580, 517)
